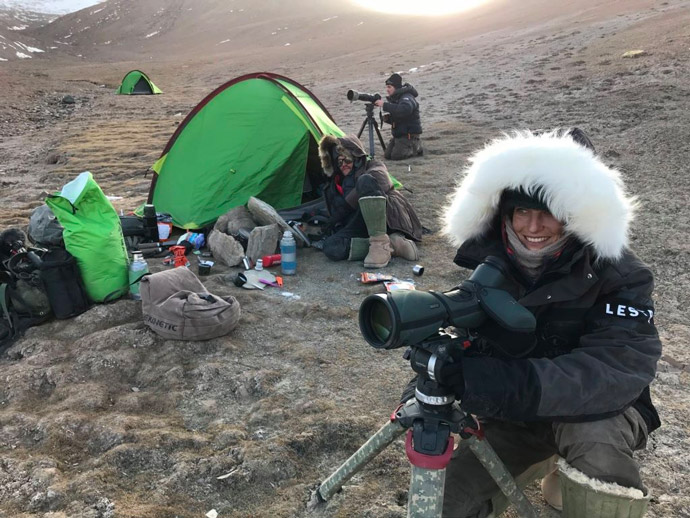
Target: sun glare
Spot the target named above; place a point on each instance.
(417, 7)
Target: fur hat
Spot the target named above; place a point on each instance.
(331, 146)
(578, 189)
(395, 80)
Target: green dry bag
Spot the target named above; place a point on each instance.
(93, 236)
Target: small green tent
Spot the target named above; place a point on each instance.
(136, 82)
(256, 135)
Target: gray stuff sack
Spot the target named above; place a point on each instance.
(44, 228)
(177, 306)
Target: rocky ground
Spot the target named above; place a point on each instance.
(100, 418)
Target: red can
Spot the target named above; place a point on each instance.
(270, 260)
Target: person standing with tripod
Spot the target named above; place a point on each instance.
(403, 116)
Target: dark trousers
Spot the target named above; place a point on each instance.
(600, 449)
(337, 246)
(400, 148)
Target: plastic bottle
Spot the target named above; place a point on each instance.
(271, 260)
(137, 268)
(288, 253)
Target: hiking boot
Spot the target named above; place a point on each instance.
(417, 148)
(403, 247)
(379, 252)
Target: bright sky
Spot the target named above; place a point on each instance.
(420, 7)
(49, 6)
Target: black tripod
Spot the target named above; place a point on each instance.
(429, 420)
(370, 121)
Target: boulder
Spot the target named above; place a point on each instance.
(225, 248)
(263, 241)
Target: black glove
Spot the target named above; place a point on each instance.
(408, 393)
(451, 375)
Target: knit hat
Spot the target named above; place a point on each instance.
(513, 198)
(395, 80)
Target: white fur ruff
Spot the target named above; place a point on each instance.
(610, 488)
(578, 188)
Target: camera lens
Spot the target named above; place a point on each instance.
(377, 322)
(381, 322)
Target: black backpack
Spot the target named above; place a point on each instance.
(23, 303)
(63, 285)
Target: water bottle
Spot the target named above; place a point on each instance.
(150, 223)
(288, 252)
(137, 268)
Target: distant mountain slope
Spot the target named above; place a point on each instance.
(174, 29)
(15, 42)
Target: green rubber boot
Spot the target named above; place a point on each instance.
(374, 214)
(585, 497)
(359, 248)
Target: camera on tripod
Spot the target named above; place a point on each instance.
(354, 95)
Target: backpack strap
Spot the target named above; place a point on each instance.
(5, 306)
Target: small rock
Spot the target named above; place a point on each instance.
(68, 99)
(225, 248)
(634, 53)
(234, 220)
(212, 514)
(55, 157)
(263, 241)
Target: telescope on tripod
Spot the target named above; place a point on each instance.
(369, 121)
(421, 321)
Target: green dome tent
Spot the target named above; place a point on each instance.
(256, 135)
(136, 82)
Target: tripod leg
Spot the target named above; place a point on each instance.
(487, 456)
(425, 499)
(370, 449)
(371, 122)
(361, 129)
(378, 132)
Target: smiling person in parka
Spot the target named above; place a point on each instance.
(560, 219)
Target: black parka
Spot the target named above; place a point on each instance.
(403, 108)
(596, 345)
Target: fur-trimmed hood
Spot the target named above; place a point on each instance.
(348, 145)
(578, 188)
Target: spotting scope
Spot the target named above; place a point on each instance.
(406, 318)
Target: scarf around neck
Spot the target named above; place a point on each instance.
(531, 262)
